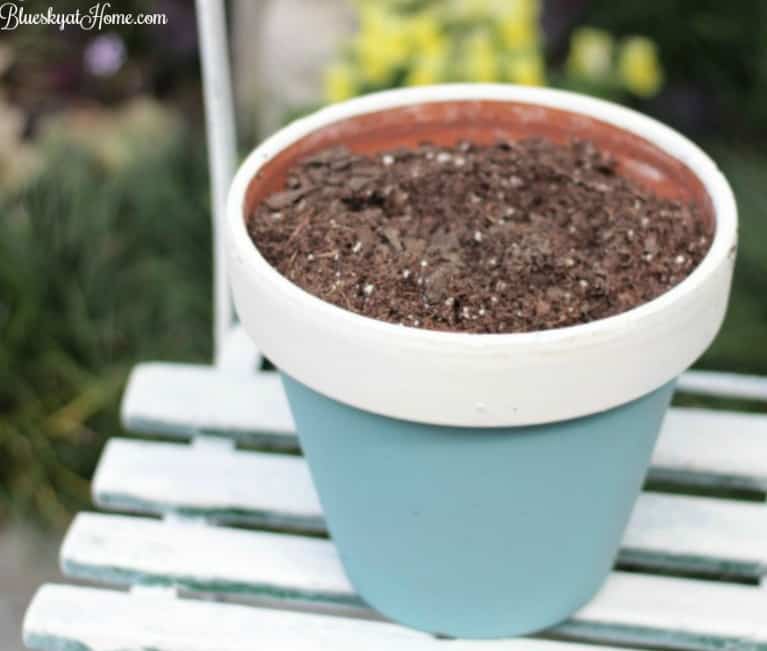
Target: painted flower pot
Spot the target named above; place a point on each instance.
(479, 485)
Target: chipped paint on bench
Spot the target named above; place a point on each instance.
(253, 409)
(129, 550)
(61, 618)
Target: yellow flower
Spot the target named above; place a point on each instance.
(591, 54)
(527, 69)
(426, 70)
(429, 46)
(518, 34)
(480, 58)
(525, 11)
(425, 35)
(639, 67)
(468, 9)
(498, 9)
(339, 82)
(381, 44)
(373, 15)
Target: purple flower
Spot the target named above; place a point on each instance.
(104, 55)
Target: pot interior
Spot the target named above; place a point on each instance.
(485, 122)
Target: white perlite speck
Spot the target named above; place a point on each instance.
(387, 159)
(477, 236)
(368, 289)
(356, 248)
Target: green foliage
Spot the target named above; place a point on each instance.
(742, 343)
(98, 270)
(719, 46)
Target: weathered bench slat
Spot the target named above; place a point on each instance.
(130, 550)
(239, 353)
(696, 446)
(693, 534)
(697, 535)
(726, 445)
(241, 403)
(186, 399)
(724, 385)
(154, 477)
(62, 617)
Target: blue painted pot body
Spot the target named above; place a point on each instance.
(476, 532)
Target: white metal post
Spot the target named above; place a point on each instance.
(220, 123)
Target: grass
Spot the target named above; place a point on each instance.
(102, 268)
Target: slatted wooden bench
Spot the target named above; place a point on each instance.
(211, 536)
(221, 506)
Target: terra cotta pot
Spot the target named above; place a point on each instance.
(479, 485)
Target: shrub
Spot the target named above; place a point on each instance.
(99, 268)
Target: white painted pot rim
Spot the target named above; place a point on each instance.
(482, 380)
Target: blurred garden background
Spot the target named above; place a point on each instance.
(105, 247)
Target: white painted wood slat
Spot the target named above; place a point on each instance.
(238, 353)
(697, 534)
(727, 444)
(696, 445)
(161, 397)
(689, 533)
(129, 550)
(188, 399)
(725, 385)
(62, 617)
(631, 608)
(217, 482)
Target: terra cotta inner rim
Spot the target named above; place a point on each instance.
(485, 122)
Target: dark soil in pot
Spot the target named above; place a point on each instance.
(515, 236)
